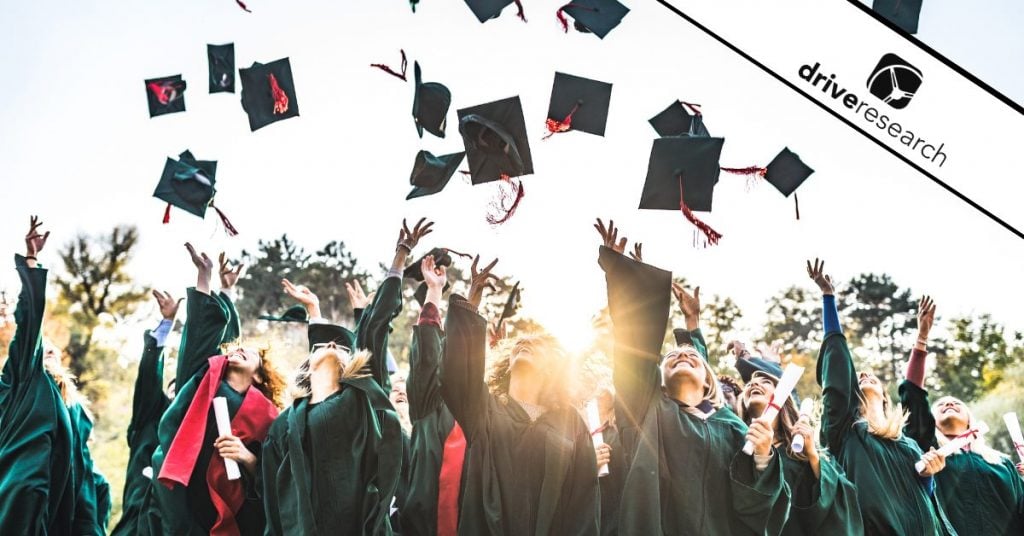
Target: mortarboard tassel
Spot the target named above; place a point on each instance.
(228, 227)
(459, 253)
(167, 91)
(555, 126)
(796, 203)
(391, 71)
(694, 108)
(752, 173)
(561, 14)
(519, 12)
(710, 234)
(243, 6)
(517, 192)
(167, 214)
(280, 98)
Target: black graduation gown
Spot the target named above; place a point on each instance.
(687, 475)
(37, 492)
(334, 467)
(521, 477)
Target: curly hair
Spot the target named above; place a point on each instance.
(268, 379)
(557, 391)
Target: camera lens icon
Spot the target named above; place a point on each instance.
(894, 81)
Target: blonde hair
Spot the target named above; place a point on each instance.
(784, 423)
(350, 366)
(66, 384)
(557, 391)
(712, 391)
(893, 420)
(978, 446)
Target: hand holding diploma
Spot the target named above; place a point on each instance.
(602, 450)
(1013, 427)
(783, 390)
(954, 445)
(224, 445)
(806, 408)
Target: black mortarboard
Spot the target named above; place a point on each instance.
(676, 120)
(430, 105)
(578, 104)
(695, 159)
(597, 16)
(415, 271)
(222, 67)
(902, 13)
(511, 305)
(748, 366)
(295, 313)
(495, 139)
(188, 184)
(430, 174)
(165, 95)
(787, 172)
(325, 333)
(487, 9)
(268, 93)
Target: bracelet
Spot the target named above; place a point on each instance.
(404, 244)
(30, 258)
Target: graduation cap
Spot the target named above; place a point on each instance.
(222, 67)
(430, 105)
(786, 172)
(165, 95)
(677, 120)
(268, 93)
(578, 104)
(442, 257)
(295, 313)
(496, 143)
(902, 13)
(748, 366)
(486, 10)
(681, 175)
(190, 185)
(430, 174)
(325, 333)
(592, 16)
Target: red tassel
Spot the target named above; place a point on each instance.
(560, 14)
(752, 170)
(555, 126)
(694, 108)
(520, 13)
(165, 92)
(796, 203)
(228, 227)
(503, 212)
(712, 236)
(391, 71)
(243, 6)
(167, 214)
(280, 98)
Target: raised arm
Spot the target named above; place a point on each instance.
(835, 372)
(207, 321)
(424, 383)
(25, 358)
(465, 351)
(638, 302)
(149, 401)
(689, 304)
(913, 397)
(229, 275)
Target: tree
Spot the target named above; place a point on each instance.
(794, 317)
(95, 282)
(880, 316)
(975, 358)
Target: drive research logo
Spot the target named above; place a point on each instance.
(894, 81)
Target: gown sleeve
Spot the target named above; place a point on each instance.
(25, 356)
(205, 326)
(374, 328)
(839, 385)
(462, 366)
(826, 505)
(424, 383)
(760, 499)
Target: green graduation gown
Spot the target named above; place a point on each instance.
(521, 477)
(91, 511)
(211, 321)
(37, 493)
(893, 498)
(687, 475)
(977, 496)
(148, 405)
(334, 467)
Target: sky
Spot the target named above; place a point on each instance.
(80, 150)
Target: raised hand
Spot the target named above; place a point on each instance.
(204, 268)
(803, 428)
(771, 352)
(817, 274)
(408, 239)
(228, 275)
(497, 331)
(480, 279)
(610, 236)
(35, 242)
(434, 276)
(168, 305)
(638, 252)
(356, 296)
(689, 304)
(925, 317)
(738, 349)
(303, 295)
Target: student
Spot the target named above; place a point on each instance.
(980, 489)
(332, 460)
(37, 490)
(862, 429)
(688, 474)
(148, 405)
(530, 467)
(194, 494)
(824, 501)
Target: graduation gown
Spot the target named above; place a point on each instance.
(189, 510)
(977, 496)
(148, 405)
(893, 498)
(522, 477)
(611, 484)
(334, 467)
(37, 492)
(92, 507)
(437, 446)
(687, 475)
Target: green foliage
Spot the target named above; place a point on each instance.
(879, 316)
(975, 358)
(1005, 397)
(794, 317)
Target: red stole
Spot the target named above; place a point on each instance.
(449, 481)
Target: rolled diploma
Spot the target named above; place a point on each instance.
(594, 422)
(220, 410)
(957, 443)
(782, 391)
(1013, 427)
(806, 408)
